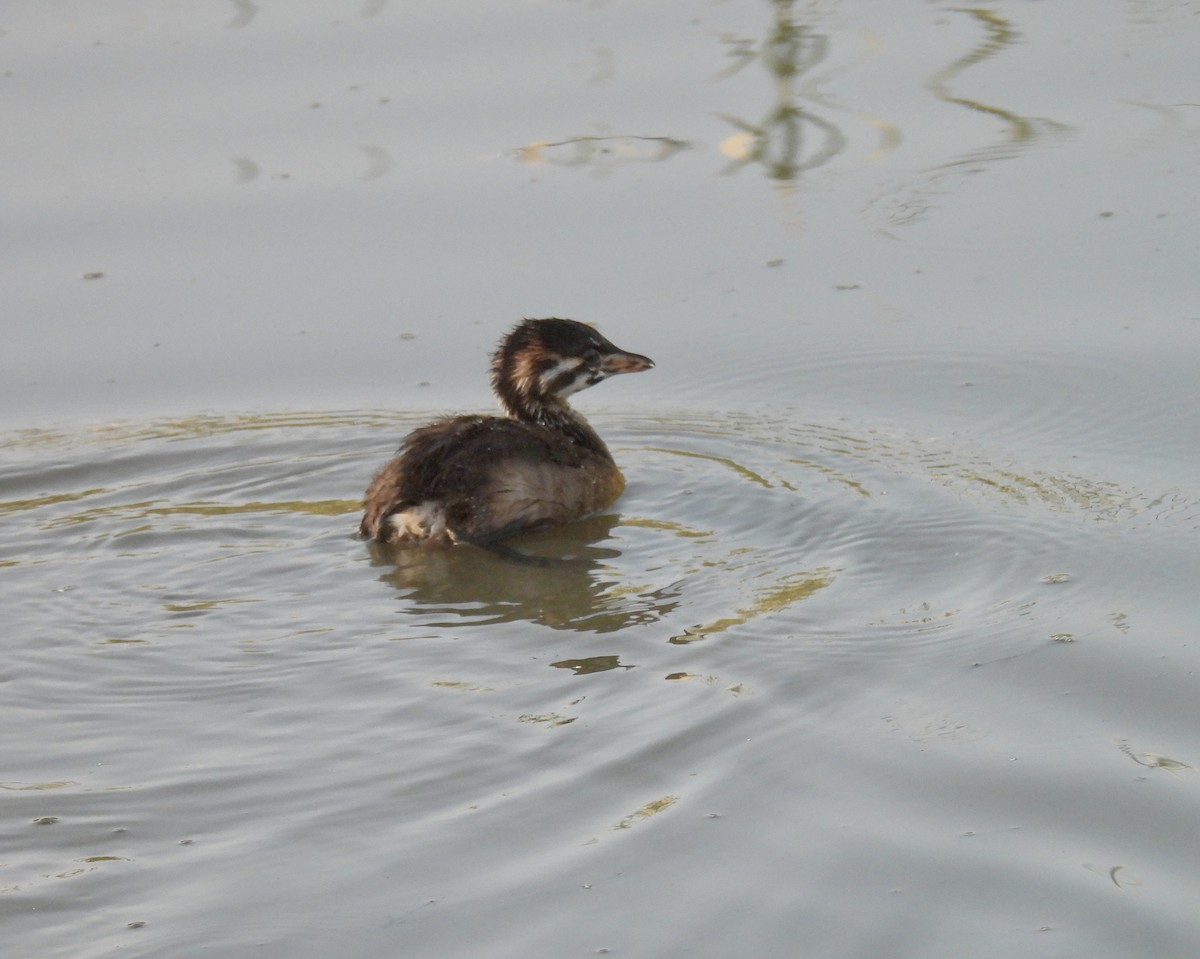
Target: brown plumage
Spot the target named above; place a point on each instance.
(478, 479)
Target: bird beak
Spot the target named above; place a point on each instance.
(625, 363)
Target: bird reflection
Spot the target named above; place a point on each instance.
(569, 584)
(602, 154)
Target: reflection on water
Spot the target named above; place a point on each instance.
(581, 588)
(786, 142)
(999, 34)
(602, 154)
(591, 664)
(777, 594)
(790, 138)
(793, 136)
(466, 586)
(910, 202)
(1154, 761)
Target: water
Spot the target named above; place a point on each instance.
(888, 648)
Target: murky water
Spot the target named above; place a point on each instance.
(888, 649)
(831, 662)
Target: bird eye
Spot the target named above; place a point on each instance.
(591, 357)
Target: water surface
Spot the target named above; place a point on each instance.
(888, 648)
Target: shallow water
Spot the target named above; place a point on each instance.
(888, 648)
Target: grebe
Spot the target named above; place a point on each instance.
(478, 479)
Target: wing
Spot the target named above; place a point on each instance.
(452, 462)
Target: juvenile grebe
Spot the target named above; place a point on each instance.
(478, 479)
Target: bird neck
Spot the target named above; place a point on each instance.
(557, 415)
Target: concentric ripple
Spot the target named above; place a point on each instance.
(733, 526)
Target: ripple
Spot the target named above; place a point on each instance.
(188, 595)
(1069, 407)
(734, 527)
